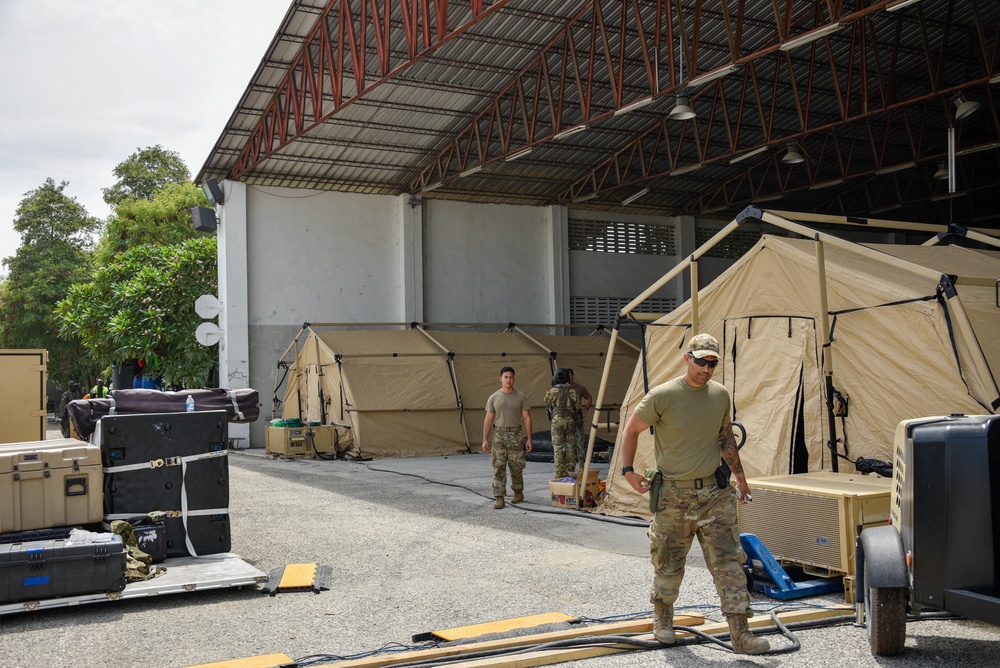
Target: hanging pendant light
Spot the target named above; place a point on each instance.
(793, 157)
(682, 111)
(942, 172)
(964, 107)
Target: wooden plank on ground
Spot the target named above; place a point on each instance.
(553, 656)
(634, 626)
(501, 626)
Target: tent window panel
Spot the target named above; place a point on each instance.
(603, 310)
(604, 236)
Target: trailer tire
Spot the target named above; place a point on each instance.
(885, 617)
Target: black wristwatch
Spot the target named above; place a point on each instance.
(626, 469)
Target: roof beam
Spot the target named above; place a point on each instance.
(344, 33)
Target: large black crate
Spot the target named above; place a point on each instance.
(174, 464)
(953, 530)
(36, 570)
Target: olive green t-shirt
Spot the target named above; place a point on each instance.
(686, 423)
(506, 408)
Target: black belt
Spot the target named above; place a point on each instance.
(697, 483)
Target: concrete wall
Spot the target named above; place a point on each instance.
(486, 263)
(290, 256)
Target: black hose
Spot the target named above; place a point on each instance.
(523, 506)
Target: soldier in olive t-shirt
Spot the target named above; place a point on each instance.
(507, 414)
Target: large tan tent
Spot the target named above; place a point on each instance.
(906, 332)
(414, 391)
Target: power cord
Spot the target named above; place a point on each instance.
(524, 506)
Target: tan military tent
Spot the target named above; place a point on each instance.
(913, 331)
(414, 391)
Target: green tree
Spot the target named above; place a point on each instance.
(141, 306)
(56, 233)
(145, 172)
(164, 218)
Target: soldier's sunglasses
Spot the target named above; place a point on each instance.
(711, 364)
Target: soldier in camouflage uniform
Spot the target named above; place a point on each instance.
(507, 415)
(692, 428)
(563, 406)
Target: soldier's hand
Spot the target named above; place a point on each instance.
(638, 482)
(528, 445)
(486, 446)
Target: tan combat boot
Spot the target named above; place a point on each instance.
(499, 504)
(663, 622)
(743, 641)
(518, 497)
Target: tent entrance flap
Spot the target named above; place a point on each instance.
(772, 371)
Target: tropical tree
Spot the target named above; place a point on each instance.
(144, 173)
(56, 233)
(141, 306)
(163, 219)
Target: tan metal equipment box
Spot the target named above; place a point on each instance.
(22, 395)
(54, 483)
(305, 441)
(811, 519)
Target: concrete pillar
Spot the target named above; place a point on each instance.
(557, 219)
(411, 243)
(234, 347)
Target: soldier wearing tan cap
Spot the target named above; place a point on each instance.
(690, 416)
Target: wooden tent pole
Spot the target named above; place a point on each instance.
(678, 268)
(694, 296)
(666, 278)
(598, 405)
(824, 318)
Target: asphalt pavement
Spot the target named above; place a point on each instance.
(414, 545)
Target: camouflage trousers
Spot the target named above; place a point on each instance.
(710, 514)
(581, 443)
(505, 451)
(564, 445)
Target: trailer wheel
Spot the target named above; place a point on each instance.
(885, 617)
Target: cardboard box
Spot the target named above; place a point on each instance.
(567, 494)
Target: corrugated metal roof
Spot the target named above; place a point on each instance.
(443, 98)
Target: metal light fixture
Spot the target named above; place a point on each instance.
(793, 157)
(638, 104)
(520, 154)
(634, 196)
(756, 151)
(942, 172)
(964, 107)
(810, 37)
(896, 6)
(570, 132)
(681, 111)
(213, 192)
(713, 75)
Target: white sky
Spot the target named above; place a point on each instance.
(84, 83)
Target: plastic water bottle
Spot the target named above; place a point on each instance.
(189, 404)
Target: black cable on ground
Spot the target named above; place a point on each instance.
(698, 637)
(523, 506)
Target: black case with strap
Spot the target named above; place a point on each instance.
(174, 466)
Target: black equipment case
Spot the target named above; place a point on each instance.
(240, 405)
(170, 466)
(43, 569)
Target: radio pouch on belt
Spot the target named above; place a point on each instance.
(722, 476)
(655, 483)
